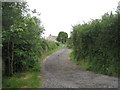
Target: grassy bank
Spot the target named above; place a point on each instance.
(85, 65)
(82, 63)
(29, 79)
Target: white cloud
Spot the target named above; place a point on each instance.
(59, 15)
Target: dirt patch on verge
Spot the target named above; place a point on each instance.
(26, 77)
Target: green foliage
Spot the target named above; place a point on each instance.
(62, 37)
(23, 44)
(51, 45)
(69, 43)
(29, 79)
(97, 42)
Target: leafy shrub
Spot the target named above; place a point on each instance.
(98, 40)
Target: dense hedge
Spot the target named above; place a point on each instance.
(97, 42)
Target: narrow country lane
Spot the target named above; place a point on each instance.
(59, 72)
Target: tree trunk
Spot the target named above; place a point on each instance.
(12, 58)
(9, 69)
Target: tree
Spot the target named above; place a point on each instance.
(21, 36)
(11, 13)
(62, 37)
(118, 8)
(22, 42)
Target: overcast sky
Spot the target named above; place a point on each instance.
(61, 15)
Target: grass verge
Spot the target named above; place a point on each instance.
(85, 65)
(82, 63)
(22, 80)
(50, 52)
(29, 79)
